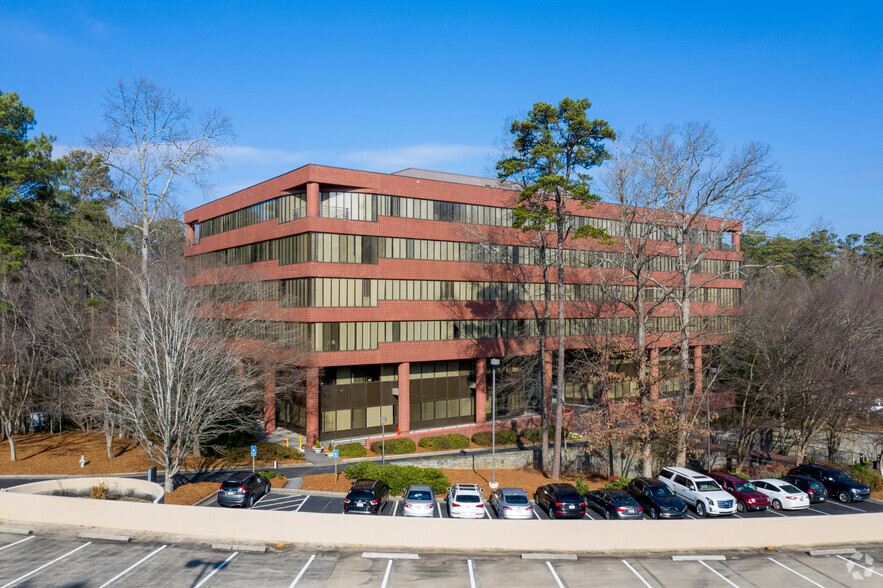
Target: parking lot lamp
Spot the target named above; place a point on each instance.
(494, 363)
(382, 440)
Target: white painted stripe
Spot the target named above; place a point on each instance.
(555, 575)
(282, 498)
(217, 569)
(737, 516)
(301, 504)
(45, 565)
(718, 574)
(588, 516)
(775, 512)
(795, 572)
(820, 511)
(846, 559)
(395, 507)
(635, 572)
(302, 571)
(16, 543)
(536, 514)
(471, 574)
(439, 508)
(133, 566)
(849, 507)
(386, 575)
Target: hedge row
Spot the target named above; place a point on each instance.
(452, 441)
(265, 452)
(395, 446)
(535, 434)
(351, 450)
(398, 477)
(504, 437)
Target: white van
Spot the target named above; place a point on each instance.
(698, 490)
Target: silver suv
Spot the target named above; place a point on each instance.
(699, 491)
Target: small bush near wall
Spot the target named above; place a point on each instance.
(351, 450)
(398, 477)
(618, 484)
(452, 441)
(862, 474)
(395, 446)
(504, 437)
(535, 434)
(265, 452)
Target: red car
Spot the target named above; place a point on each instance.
(746, 495)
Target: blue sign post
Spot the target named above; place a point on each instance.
(254, 452)
(334, 455)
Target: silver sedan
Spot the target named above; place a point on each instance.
(419, 501)
(511, 503)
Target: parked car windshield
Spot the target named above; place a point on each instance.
(745, 487)
(707, 486)
(468, 498)
(419, 495)
(662, 491)
(840, 476)
(516, 499)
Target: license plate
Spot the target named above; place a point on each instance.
(360, 504)
(570, 506)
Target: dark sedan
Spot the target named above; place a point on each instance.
(242, 489)
(838, 484)
(561, 501)
(657, 498)
(813, 488)
(615, 504)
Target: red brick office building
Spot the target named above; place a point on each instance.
(392, 282)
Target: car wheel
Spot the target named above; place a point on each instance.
(250, 502)
(654, 513)
(700, 509)
(843, 496)
(607, 514)
(777, 504)
(740, 506)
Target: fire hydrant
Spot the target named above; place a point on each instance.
(82, 461)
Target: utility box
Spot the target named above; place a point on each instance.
(151, 475)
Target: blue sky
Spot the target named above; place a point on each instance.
(382, 86)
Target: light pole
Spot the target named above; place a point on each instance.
(494, 363)
(382, 440)
(712, 371)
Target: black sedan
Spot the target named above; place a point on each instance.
(242, 489)
(657, 498)
(560, 501)
(614, 504)
(814, 489)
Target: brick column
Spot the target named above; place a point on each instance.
(654, 374)
(481, 390)
(697, 370)
(404, 397)
(312, 199)
(190, 234)
(737, 241)
(312, 405)
(270, 400)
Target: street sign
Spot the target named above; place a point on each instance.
(334, 453)
(254, 450)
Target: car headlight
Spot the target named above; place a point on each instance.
(710, 501)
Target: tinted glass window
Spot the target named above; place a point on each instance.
(665, 474)
(790, 488)
(624, 500)
(566, 495)
(419, 495)
(745, 487)
(662, 491)
(815, 485)
(468, 498)
(707, 486)
(231, 485)
(360, 495)
(681, 480)
(516, 499)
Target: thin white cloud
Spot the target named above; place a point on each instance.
(425, 155)
(245, 155)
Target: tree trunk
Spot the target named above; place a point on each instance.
(834, 439)
(11, 438)
(648, 460)
(108, 438)
(197, 452)
(685, 393)
(170, 475)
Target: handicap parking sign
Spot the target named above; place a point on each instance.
(254, 450)
(334, 453)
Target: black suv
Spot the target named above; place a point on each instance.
(813, 488)
(366, 497)
(657, 498)
(242, 489)
(835, 482)
(561, 501)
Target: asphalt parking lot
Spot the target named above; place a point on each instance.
(55, 560)
(299, 502)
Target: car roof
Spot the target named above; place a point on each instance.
(512, 491)
(563, 487)
(727, 477)
(692, 474)
(773, 481)
(363, 483)
(466, 489)
(420, 487)
(238, 476)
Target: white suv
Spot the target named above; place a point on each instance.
(698, 490)
(465, 502)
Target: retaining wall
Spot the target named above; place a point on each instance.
(396, 533)
(82, 486)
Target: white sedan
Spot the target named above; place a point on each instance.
(783, 495)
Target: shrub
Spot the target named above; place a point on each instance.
(270, 474)
(351, 450)
(774, 470)
(99, 491)
(535, 434)
(581, 486)
(395, 446)
(266, 452)
(504, 437)
(618, 483)
(862, 474)
(398, 477)
(452, 441)
(741, 475)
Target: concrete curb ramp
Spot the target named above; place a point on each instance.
(398, 534)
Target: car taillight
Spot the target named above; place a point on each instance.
(346, 500)
(791, 497)
(559, 504)
(243, 487)
(620, 509)
(529, 508)
(480, 505)
(507, 508)
(431, 505)
(455, 505)
(811, 491)
(640, 509)
(374, 501)
(221, 487)
(582, 504)
(407, 505)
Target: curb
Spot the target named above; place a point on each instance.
(698, 558)
(105, 537)
(818, 552)
(15, 531)
(549, 556)
(206, 500)
(240, 548)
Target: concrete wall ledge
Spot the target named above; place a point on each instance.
(214, 525)
(117, 486)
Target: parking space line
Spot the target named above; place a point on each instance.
(440, 514)
(849, 507)
(217, 569)
(635, 572)
(777, 512)
(302, 503)
(588, 516)
(133, 566)
(281, 498)
(386, 575)
(819, 511)
(795, 572)
(536, 514)
(692, 517)
(302, 570)
(554, 574)
(471, 574)
(45, 565)
(395, 507)
(718, 574)
(486, 511)
(17, 542)
(848, 560)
